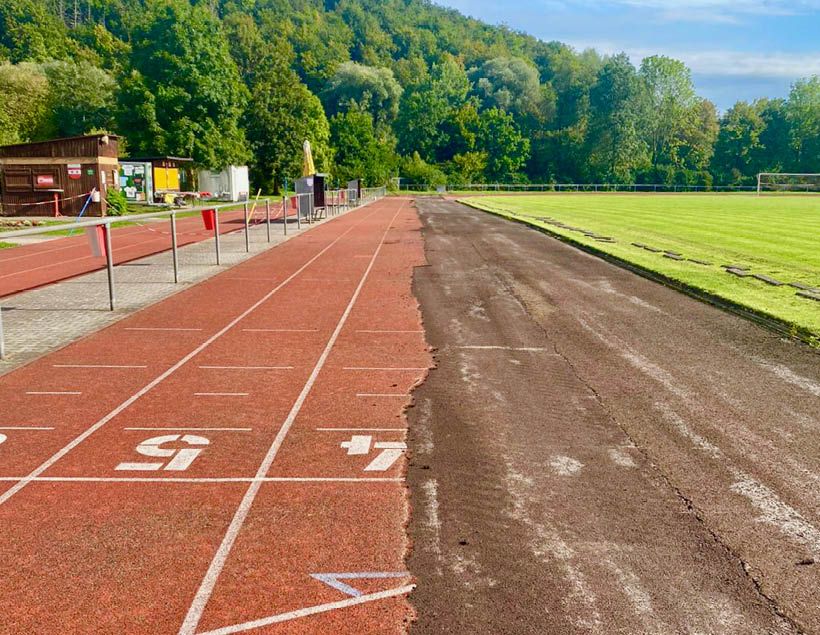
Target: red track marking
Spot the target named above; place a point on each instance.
(128, 551)
(31, 266)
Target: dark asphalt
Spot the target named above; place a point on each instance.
(596, 453)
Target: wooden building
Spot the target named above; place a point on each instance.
(50, 177)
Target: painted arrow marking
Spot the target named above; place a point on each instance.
(335, 579)
(310, 610)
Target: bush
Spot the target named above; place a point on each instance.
(117, 202)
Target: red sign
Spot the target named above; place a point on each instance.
(45, 180)
(75, 171)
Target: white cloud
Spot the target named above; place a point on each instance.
(721, 63)
(721, 11)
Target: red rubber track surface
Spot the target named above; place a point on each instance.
(31, 266)
(320, 340)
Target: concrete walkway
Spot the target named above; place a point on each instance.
(41, 320)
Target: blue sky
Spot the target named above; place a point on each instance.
(737, 49)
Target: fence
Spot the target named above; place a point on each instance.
(298, 207)
(574, 187)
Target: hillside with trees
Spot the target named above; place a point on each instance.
(380, 88)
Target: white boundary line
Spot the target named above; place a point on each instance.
(311, 610)
(246, 367)
(280, 330)
(205, 429)
(381, 368)
(221, 394)
(35, 428)
(92, 366)
(53, 392)
(367, 395)
(203, 594)
(159, 379)
(204, 479)
(386, 331)
(146, 328)
(503, 348)
(361, 429)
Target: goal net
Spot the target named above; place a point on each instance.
(787, 182)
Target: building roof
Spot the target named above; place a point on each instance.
(152, 159)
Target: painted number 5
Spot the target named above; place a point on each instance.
(180, 458)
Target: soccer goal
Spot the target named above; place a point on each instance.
(787, 182)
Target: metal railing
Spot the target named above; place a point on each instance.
(296, 207)
(573, 187)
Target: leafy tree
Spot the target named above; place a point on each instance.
(416, 171)
(738, 143)
(803, 113)
(506, 148)
(193, 97)
(282, 113)
(776, 153)
(360, 151)
(425, 109)
(512, 84)
(618, 104)
(672, 104)
(29, 32)
(24, 104)
(366, 88)
(81, 98)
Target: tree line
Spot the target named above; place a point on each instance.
(380, 88)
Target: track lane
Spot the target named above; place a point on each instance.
(112, 533)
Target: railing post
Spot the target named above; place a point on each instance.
(247, 229)
(2, 338)
(298, 212)
(267, 216)
(174, 246)
(285, 214)
(109, 261)
(216, 236)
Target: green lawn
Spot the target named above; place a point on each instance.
(774, 236)
(6, 245)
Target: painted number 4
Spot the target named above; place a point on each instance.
(180, 458)
(360, 444)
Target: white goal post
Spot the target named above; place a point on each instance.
(787, 182)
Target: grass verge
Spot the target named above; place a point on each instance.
(772, 236)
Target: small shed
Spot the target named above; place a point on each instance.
(231, 184)
(151, 179)
(53, 177)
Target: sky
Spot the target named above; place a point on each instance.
(736, 49)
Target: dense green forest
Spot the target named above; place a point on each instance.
(380, 88)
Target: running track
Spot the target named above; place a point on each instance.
(31, 266)
(259, 520)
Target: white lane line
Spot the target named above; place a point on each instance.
(146, 328)
(361, 429)
(35, 428)
(386, 331)
(159, 379)
(92, 366)
(53, 392)
(311, 610)
(204, 429)
(365, 395)
(382, 368)
(238, 479)
(281, 330)
(206, 588)
(503, 348)
(221, 394)
(246, 367)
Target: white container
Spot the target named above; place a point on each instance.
(231, 184)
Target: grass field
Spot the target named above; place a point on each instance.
(777, 237)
